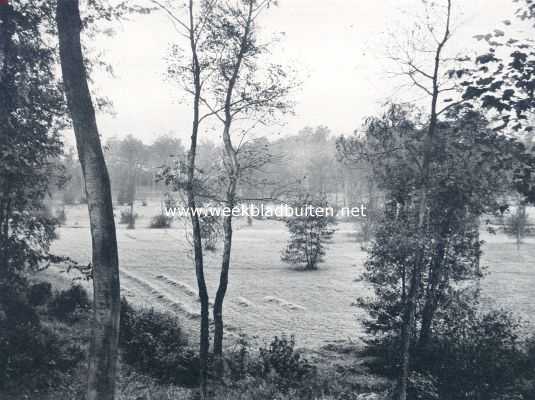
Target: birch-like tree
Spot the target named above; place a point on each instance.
(245, 92)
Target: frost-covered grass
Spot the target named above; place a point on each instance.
(265, 296)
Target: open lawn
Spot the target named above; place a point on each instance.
(266, 297)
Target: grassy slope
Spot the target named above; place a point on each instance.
(265, 296)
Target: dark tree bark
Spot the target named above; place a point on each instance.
(204, 340)
(409, 317)
(7, 29)
(106, 292)
(223, 277)
(431, 300)
(233, 169)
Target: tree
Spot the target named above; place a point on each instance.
(470, 174)
(105, 262)
(503, 78)
(191, 71)
(430, 82)
(31, 114)
(129, 156)
(239, 91)
(309, 232)
(516, 223)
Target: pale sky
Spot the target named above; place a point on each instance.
(337, 46)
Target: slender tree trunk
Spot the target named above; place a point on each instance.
(233, 174)
(106, 292)
(222, 289)
(233, 168)
(204, 338)
(431, 301)
(409, 319)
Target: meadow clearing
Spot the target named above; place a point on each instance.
(267, 297)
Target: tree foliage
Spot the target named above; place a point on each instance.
(31, 114)
(310, 232)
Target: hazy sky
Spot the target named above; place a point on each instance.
(338, 47)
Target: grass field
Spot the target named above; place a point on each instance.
(265, 296)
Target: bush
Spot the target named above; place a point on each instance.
(309, 234)
(128, 218)
(210, 231)
(283, 363)
(475, 356)
(61, 216)
(154, 343)
(70, 305)
(40, 293)
(160, 221)
(32, 356)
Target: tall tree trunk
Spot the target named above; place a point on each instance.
(223, 279)
(204, 338)
(233, 169)
(7, 30)
(106, 292)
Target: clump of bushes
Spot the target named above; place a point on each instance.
(70, 305)
(160, 221)
(278, 364)
(33, 356)
(154, 344)
(472, 355)
(39, 293)
(210, 231)
(128, 218)
(282, 360)
(475, 355)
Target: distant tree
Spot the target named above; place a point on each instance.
(164, 150)
(127, 158)
(516, 223)
(73, 190)
(310, 232)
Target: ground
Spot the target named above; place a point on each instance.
(266, 297)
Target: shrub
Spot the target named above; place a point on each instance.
(282, 363)
(31, 355)
(154, 343)
(309, 234)
(40, 293)
(238, 360)
(61, 216)
(70, 305)
(210, 231)
(160, 221)
(474, 356)
(517, 224)
(128, 218)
